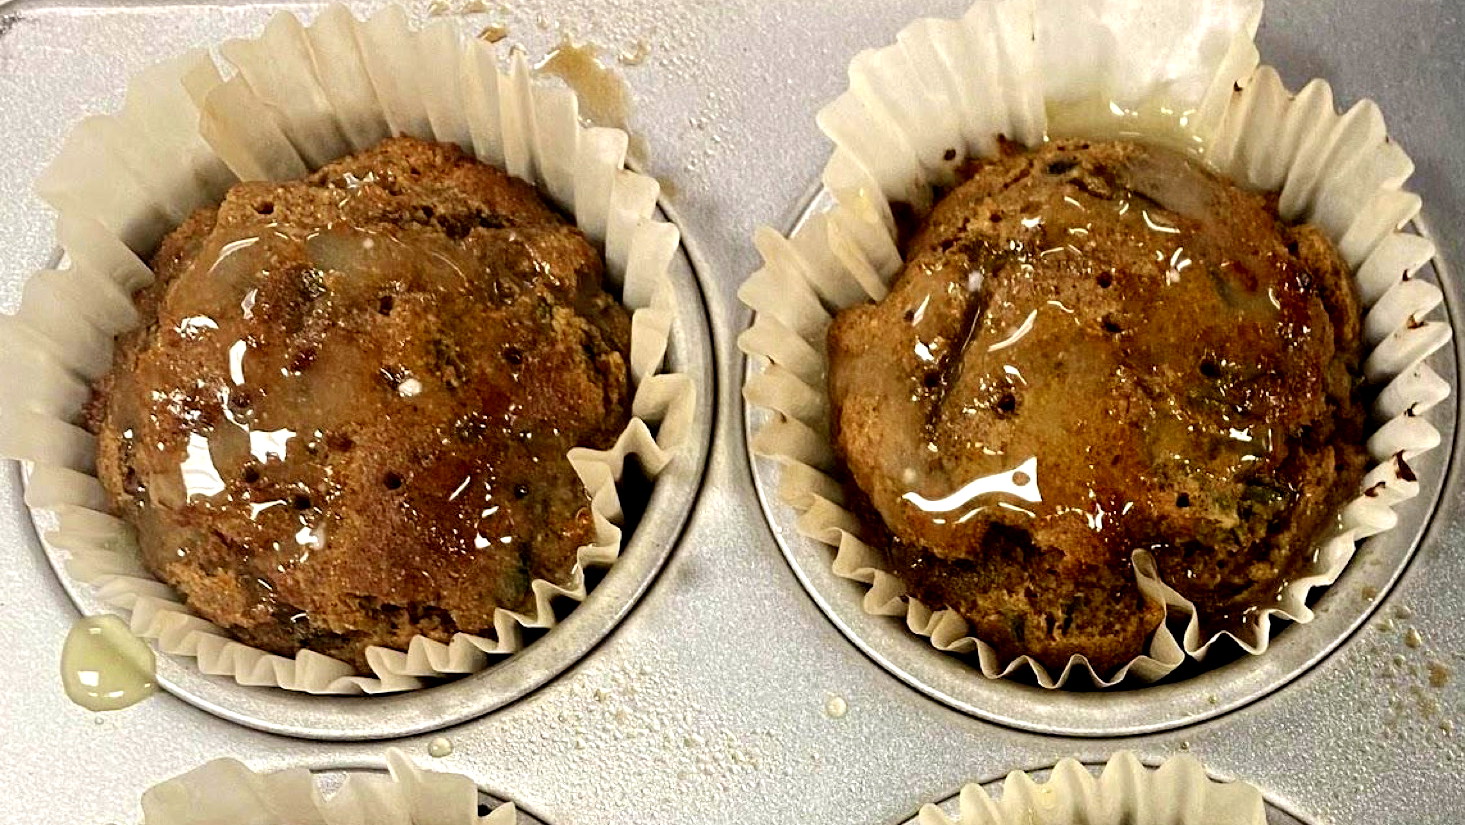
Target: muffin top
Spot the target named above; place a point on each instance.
(344, 420)
(1093, 349)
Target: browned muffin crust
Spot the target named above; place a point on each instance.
(1093, 350)
(344, 421)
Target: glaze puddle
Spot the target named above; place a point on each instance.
(104, 666)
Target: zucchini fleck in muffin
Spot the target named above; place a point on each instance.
(1093, 349)
(344, 419)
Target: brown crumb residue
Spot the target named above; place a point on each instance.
(635, 55)
(604, 97)
(1439, 674)
(493, 34)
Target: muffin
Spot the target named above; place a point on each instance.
(1094, 349)
(1199, 473)
(498, 297)
(344, 421)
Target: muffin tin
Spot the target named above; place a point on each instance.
(720, 695)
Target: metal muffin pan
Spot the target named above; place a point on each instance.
(708, 702)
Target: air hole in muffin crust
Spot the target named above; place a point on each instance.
(456, 228)
(514, 356)
(1007, 403)
(949, 154)
(521, 491)
(250, 475)
(995, 217)
(301, 501)
(931, 380)
(1210, 369)
(265, 208)
(1105, 280)
(1111, 326)
(392, 481)
(1058, 167)
(1182, 500)
(240, 401)
(385, 305)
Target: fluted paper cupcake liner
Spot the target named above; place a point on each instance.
(225, 792)
(1178, 792)
(1020, 69)
(301, 96)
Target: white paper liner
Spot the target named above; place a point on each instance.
(1000, 70)
(1178, 792)
(225, 792)
(303, 96)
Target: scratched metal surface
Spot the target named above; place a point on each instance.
(708, 701)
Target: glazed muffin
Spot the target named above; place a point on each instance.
(1095, 349)
(344, 419)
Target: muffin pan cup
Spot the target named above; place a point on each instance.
(297, 98)
(1189, 75)
(225, 792)
(1124, 792)
(725, 694)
